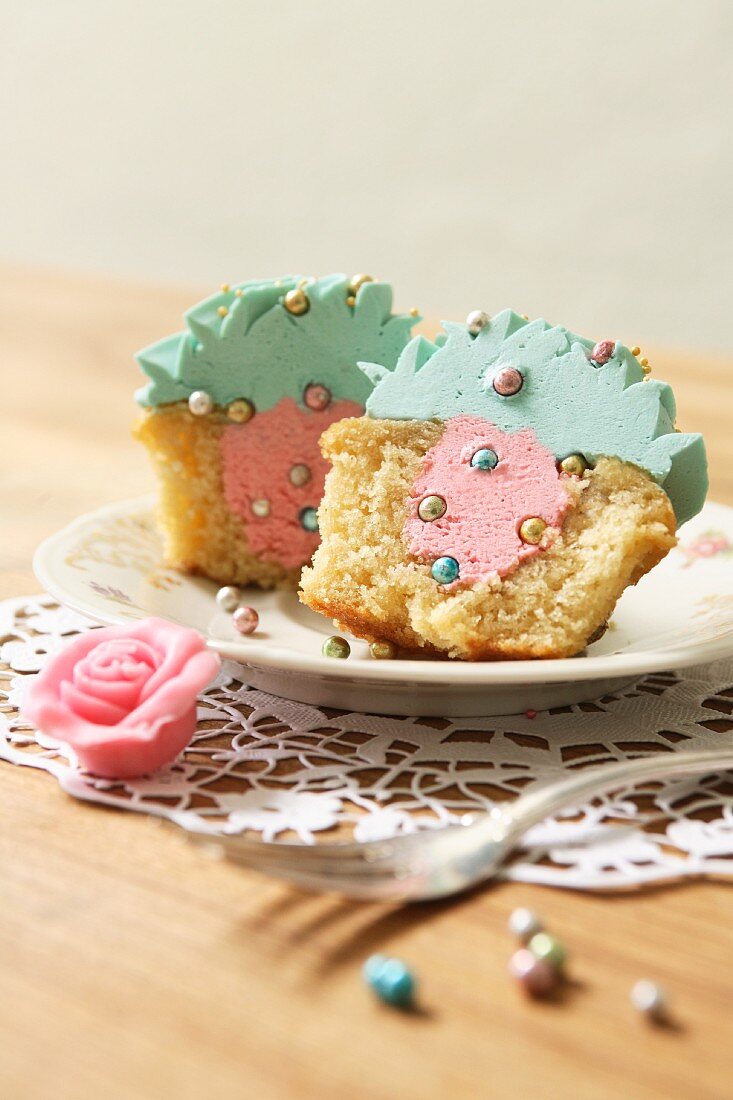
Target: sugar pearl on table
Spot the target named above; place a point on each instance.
(546, 948)
(507, 381)
(228, 598)
(649, 998)
(392, 981)
(200, 403)
(536, 977)
(336, 647)
(246, 619)
(524, 924)
(477, 320)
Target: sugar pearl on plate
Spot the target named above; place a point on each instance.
(317, 397)
(431, 508)
(537, 978)
(508, 381)
(485, 459)
(336, 647)
(532, 530)
(445, 570)
(228, 598)
(546, 948)
(309, 519)
(200, 403)
(649, 998)
(392, 981)
(299, 475)
(261, 507)
(524, 924)
(574, 464)
(602, 351)
(477, 320)
(297, 302)
(383, 651)
(246, 619)
(241, 410)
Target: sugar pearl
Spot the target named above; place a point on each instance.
(532, 530)
(261, 507)
(649, 998)
(200, 403)
(508, 381)
(317, 397)
(445, 570)
(241, 410)
(477, 320)
(602, 351)
(383, 651)
(300, 474)
(524, 924)
(246, 619)
(536, 977)
(357, 282)
(228, 598)
(392, 981)
(309, 519)
(545, 947)
(297, 302)
(336, 647)
(485, 459)
(431, 508)
(574, 464)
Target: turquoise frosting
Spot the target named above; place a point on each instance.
(260, 351)
(572, 404)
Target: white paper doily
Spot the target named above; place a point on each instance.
(288, 770)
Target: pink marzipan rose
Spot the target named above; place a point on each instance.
(124, 698)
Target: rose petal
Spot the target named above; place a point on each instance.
(90, 708)
(177, 693)
(178, 645)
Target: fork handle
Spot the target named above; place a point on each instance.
(539, 804)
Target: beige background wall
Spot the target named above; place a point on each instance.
(570, 158)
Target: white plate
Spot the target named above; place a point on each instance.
(108, 565)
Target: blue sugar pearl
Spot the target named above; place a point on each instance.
(485, 459)
(391, 980)
(308, 519)
(445, 570)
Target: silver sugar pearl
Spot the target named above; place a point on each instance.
(300, 474)
(524, 924)
(477, 320)
(649, 998)
(200, 403)
(261, 507)
(228, 598)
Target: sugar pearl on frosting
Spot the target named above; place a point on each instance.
(484, 459)
(351, 301)
(317, 397)
(246, 620)
(532, 530)
(445, 570)
(477, 320)
(261, 507)
(200, 403)
(297, 302)
(308, 519)
(300, 474)
(241, 410)
(431, 508)
(228, 598)
(574, 464)
(602, 351)
(508, 381)
(357, 281)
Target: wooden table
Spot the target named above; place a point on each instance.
(133, 967)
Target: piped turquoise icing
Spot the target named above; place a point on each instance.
(262, 352)
(572, 404)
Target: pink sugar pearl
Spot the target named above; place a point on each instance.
(508, 381)
(602, 352)
(536, 977)
(317, 397)
(246, 620)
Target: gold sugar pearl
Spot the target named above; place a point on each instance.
(351, 301)
(222, 311)
(241, 410)
(532, 530)
(383, 651)
(238, 293)
(575, 465)
(297, 302)
(358, 281)
(414, 312)
(225, 287)
(635, 350)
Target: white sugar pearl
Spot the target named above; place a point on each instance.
(524, 924)
(649, 998)
(477, 320)
(200, 403)
(228, 598)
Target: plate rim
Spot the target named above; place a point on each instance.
(451, 673)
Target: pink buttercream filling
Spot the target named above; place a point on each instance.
(485, 508)
(257, 461)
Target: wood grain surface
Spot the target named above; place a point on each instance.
(134, 967)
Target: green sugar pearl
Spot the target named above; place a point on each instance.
(546, 947)
(336, 647)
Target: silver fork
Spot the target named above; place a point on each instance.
(435, 864)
